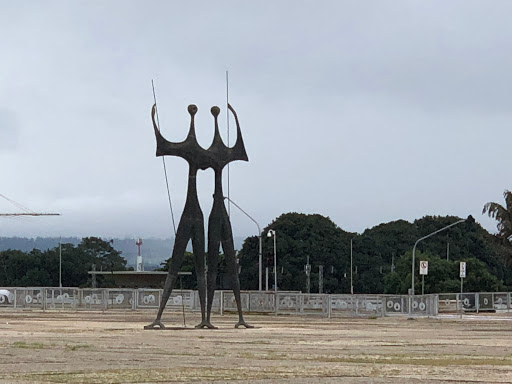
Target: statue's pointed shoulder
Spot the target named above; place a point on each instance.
(189, 149)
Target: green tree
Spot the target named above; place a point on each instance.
(188, 265)
(101, 253)
(479, 279)
(190, 281)
(37, 268)
(465, 240)
(443, 275)
(503, 216)
(249, 256)
(299, 236)
(377, 254)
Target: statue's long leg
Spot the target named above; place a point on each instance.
(213, 259)
(180, 244)
(198, 247)
(229, 254)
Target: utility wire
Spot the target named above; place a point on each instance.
(16, 204)
(23, 215)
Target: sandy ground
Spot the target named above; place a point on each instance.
(113, 347)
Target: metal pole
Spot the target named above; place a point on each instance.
(93, 277)
(423, 238)
(422, 285)
(461, 289)
(60, 263)
(320, 279)
(275, 264)
(227, 118)
(260, 265)
(351, 281)
(266, 279)
(308, 275)
(260, 261)
(413, 262)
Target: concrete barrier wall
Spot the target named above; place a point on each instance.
(475, 302)
(290, 303)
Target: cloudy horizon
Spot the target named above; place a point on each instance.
(365, 112)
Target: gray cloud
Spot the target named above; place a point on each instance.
(9, 134)
(361, 111)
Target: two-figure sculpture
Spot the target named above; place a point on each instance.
(191, 225)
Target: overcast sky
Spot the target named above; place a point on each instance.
(363, 111)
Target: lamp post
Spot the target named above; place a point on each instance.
(425, 237)
(351, 281)
(60, 263)
(272, 233)
(60, 259)
(259, 238)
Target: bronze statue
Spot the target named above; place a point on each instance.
(191, 224)
(219, 225)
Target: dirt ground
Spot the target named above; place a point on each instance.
(113, 347)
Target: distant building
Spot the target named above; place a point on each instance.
(134, 279)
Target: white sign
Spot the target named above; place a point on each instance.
(462, 269)
(423, 267)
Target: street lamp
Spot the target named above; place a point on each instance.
(425, 237)
(259, 237)
(351, 280)
(272, 233)
(60, 263)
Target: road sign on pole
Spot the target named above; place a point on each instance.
(462, 277)
(462, 269)
(423, 272)
(423, 267)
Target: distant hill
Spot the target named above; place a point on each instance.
(154, 251)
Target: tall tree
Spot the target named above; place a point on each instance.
(503, 216)
(188, 265)
(299, 236)
(381, 255)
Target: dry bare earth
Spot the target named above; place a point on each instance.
(79, 347)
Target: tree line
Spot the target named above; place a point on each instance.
(381, 257)
(41, 268)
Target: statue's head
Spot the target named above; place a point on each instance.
(192, 109)
(215, 111)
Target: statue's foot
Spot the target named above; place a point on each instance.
(242, 322)
(154, 325)
(205, 324)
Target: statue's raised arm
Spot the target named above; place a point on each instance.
(188, 149)
(238, 150)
